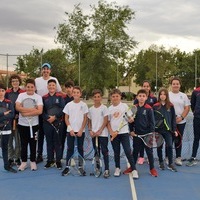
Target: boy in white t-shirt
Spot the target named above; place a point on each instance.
(23, 124)
(97, 124)
(75, 119)
(116, 115)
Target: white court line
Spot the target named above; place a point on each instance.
(133, 190)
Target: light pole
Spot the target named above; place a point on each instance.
(195, 78)
(117, 76)
(7, 70)
(156, 73)
(79, 68)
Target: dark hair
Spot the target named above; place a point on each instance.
(175, 78)
(51, 81)
(167, 101)
(15, 76)
(77, 88)
(2, 86)
(141, 91)
(115, 91)
(96, 91)
(146, 81)
(69, 84)
(30, 80)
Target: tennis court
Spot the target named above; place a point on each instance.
(49, 184)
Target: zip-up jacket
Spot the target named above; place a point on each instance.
(144, 120)
(195, 102)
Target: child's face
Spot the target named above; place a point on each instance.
(97, 98)
(69, 90)
(15, 83)
(176, 86)
(30, 89)
(51, 87)
(163, 96)
(146, 87)
(141, 97)
(115, 99)
(2, 93)
(76, 94)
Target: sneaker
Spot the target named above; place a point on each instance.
(191, 162)
(39, 159)
(117, 172)
(135, 174)
(82, 171)
(178, 161)
(106, 174)
(59, 165)
(66, 171)
(140, 161)
(172, 168)
(127, 171)
(161, 166)
(49, 164)
(17, 162)
(33, 166)
(11, 162)
(153, 172)
(23, 166)
(166, 161)
(10, 169)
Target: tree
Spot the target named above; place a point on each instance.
(99, 40)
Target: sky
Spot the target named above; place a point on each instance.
(27, 24)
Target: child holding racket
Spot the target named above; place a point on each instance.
(151, 100)
(6, 116)
(14, 144)
(167, 128)
(97, 125)
(53, 122)
(143, 123)
(28, 123)
(75, 119)
(120, 132)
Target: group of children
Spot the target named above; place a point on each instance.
(71, 121)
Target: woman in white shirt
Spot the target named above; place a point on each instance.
(182, 107)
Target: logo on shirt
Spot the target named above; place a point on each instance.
(144, 112)
(57, 101)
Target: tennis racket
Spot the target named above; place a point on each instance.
(29, 103)
(177, 139)
(55, 110)
(131, 113)
(152, 140)
(97, 162)
(76, 162)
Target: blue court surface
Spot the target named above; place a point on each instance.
(50, 185)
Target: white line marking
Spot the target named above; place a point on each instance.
(133, 190)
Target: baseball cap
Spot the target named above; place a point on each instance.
(46, 65)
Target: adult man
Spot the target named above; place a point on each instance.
(41, 89)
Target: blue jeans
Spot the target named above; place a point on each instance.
(125, 141)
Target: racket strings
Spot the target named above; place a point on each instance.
(153, 140)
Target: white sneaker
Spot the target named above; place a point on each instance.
(135, 174)
(178, 161)
(23, 166)
(33, 166)
(166, 161)
(117, 172)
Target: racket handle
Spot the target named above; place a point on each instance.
(14, 124)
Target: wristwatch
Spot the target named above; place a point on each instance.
(182, 117)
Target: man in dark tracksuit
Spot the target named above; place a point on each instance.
(195, 106)
(51, 123)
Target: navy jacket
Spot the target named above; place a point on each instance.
(6, 103)
(144, 120)
(195, 102)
